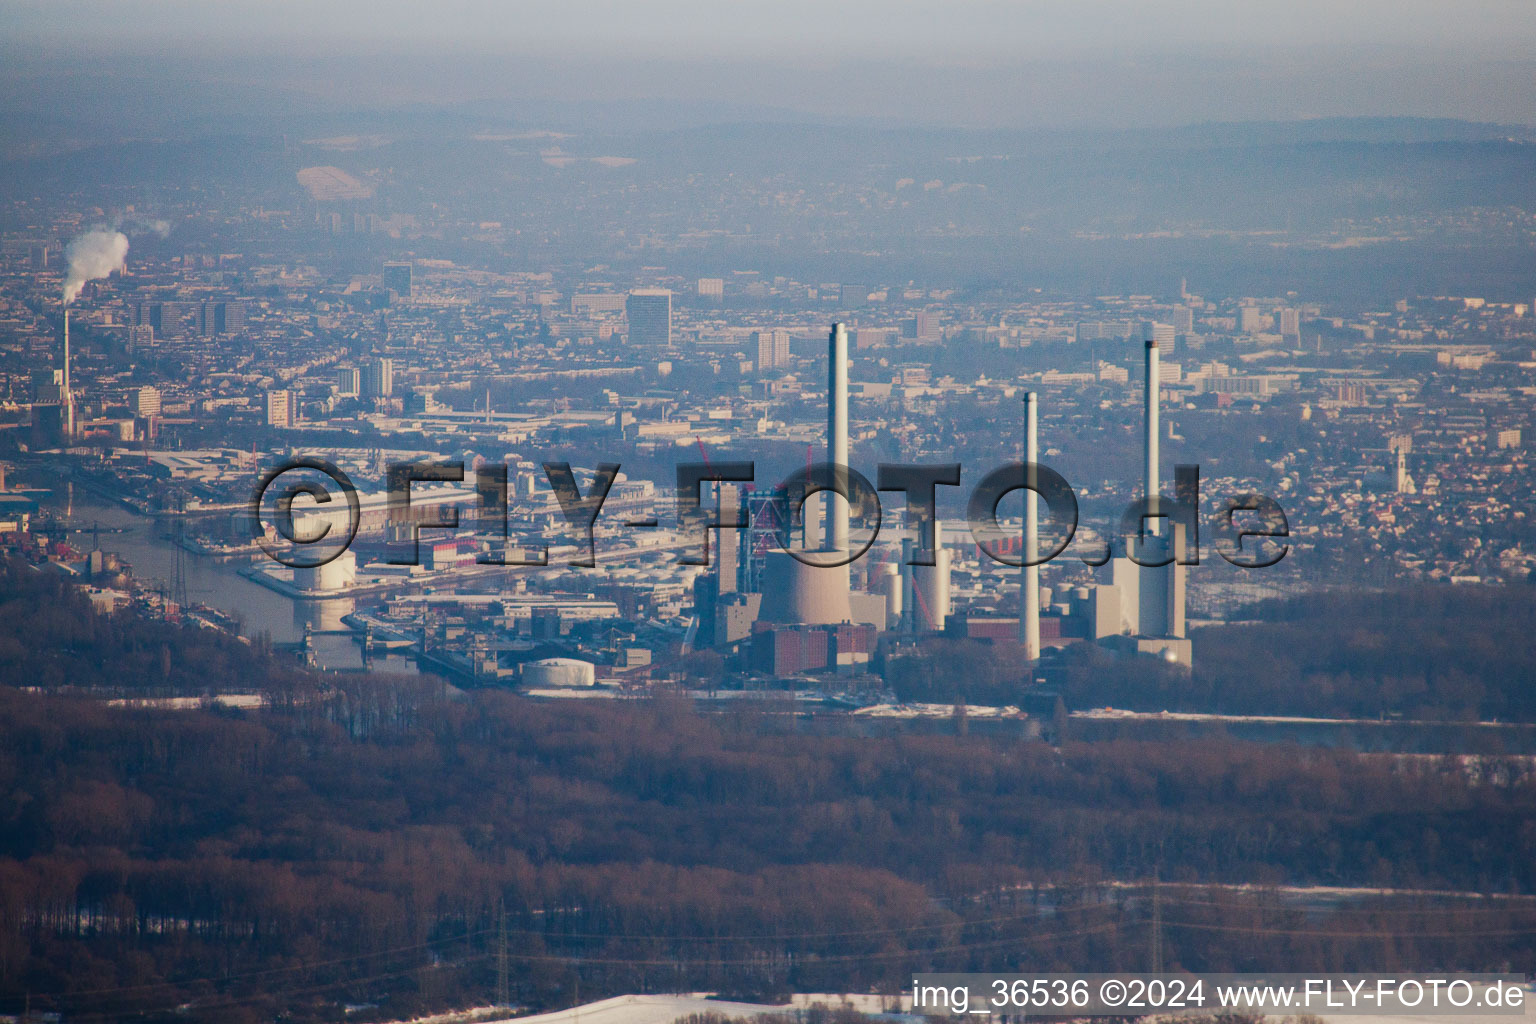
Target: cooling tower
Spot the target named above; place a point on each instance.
(798, 594)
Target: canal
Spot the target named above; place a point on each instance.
(140, 541)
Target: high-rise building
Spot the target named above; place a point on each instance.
(1250, 320)
(377, 379)
(280, 408)
(169, 319)
(223, 317)
(1087, 330)
(711, 288)
(922, 327)
(1095, 330)
(229, 317)
(649, 311)
(772, 349)
(349, 380)
(597, 302)
(1183, 319)
(1290, 323)
(146, 401)
(1163, 334)
(397, 279)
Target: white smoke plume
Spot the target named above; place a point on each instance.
(144, 226)
(94, 254)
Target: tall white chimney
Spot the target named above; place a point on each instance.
(1154, 386)
(1029, 582)
(836, 510)
(69, 394)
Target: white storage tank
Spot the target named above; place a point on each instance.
(559, 672)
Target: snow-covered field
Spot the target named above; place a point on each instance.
(664, 1009)
(937, 711)
(657, 1009)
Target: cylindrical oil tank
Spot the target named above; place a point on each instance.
(559, 672)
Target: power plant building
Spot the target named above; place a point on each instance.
(1145, 609)
(800, 607)
(1141, 610)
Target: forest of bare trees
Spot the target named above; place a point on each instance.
(370, 840)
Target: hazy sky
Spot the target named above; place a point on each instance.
(1029, 62)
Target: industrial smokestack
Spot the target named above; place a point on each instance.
(69, 394)
(1154, 386)
(817, 592)
(836, 530)
(1029, 583)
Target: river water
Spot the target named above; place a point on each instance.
(212, 582)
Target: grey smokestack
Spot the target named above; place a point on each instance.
(1154, 386)
(1029, 582)
(69, 395)
(836, 530)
